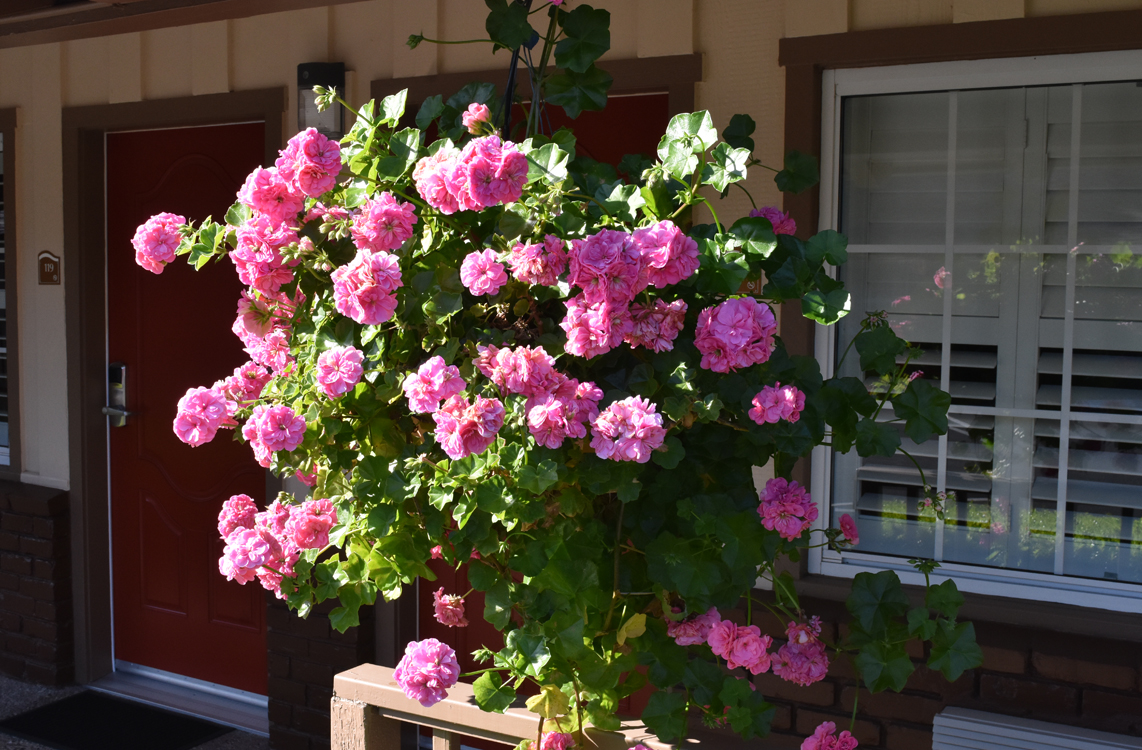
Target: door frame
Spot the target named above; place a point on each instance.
(84, 262)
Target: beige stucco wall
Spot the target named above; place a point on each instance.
(738, 39)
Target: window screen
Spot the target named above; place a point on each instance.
(1000, 231)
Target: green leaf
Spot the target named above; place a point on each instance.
(498, 605)
(538, 478)
(800, 173)
(507, 23)
(492, 496)
(884, 667)
(665, 715)
(492, 694)
(588, 37)
(678, 157)
(693, 125)
(920, 625)
(945, 598)
(828, 245)
(200, 255)
(876, 599)
(924, 409)
(549, 163)
(392, 107)
(632, 628)
(343, 618)
(672, 456)
(238, 214)
(738, 132)
(404, 145)
(576, 92)
(432, 108)
(755, 235)
(826, 308)
(876, 439)
(532, 648)
(355, 197)
(728, 165)
(481, 576)
(954, 649)
(878, 349)
(550, 702)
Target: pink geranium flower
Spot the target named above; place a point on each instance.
(694, 630)
(309, 524)
(849, 529)
(464, 428)
(475, 115)
(823, 738)
(339, 370)
(310, 163)
(449, 610)
(594, 328)
(482, 273)
(750, 650)
(606, 267)
(426, 671)
(668, 255)
(541, 263)
(200, 413)
(156, 241)
(556, 741)
(657, 326)
(365, 289)
(782, 223)
(787, 508)
(776, 402)
(432, 383)
(384, 223)
(628, 430)
(237, 513)
(269, 194)
(737, 333)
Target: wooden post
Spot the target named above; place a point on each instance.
(358, 726)
(442, 739)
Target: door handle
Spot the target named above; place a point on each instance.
(116, 409)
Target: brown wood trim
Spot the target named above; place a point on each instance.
(84, 130)
(673, 74)
(127, 16)
(8, 123)
(1013, 37)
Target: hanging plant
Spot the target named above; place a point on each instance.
(477, 350)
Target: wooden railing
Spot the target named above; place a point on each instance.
(368, 709)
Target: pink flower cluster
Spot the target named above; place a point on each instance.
(556, 741)
(263, 324)
(775, 402)
(384, 223)
(741, 646)
(787, 508)
(266, 545)
(541, 263)
(488, 172)
(246, 384)
(258, 257)
(432, 383)
(693, 631)
(782, 223)
(802, 659)
(610, 268)
(156, 241)
(310, 162)
(628, 430)
(273, 428)
(849, 529)
(449, 610)
(482, 273)
(339, 370)
(269, 194)
(464, 428)
(474, 116)
(201, 412)
(426, 671)
(734, 334)
(563, 413)
(657, 326)
(824, 738)
(365, 289)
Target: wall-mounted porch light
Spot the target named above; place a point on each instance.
(331, 122)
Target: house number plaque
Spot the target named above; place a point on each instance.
(50, 270)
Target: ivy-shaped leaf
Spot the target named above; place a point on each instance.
(492, 694)
(728, 165)
(576, 92)
(924, 409)
(738, 132)
(884, 667)
(588, 36)
(954, 649)
(507, 23)
(878, 349)
(876, 439)
(800, 173)
(876, 599)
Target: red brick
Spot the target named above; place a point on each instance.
(42, 590)
(37, 503)
(45, 631)
(50, 610)
(50, 570)
(9, 621)
(9, 541)
(11, 665)
(1112, 712)
(18, 603)
(337, 655)
(318, 698)
(18, 564)
(311, 722)
(16, 523)
(819, 694)
(9, 581)
(289, 691)
(1067, 669)
(842, 668)
(866, 732)
(1027, 697)
(282, 738)
(52, 674)
(1000, 659)
(47, 528)
(889, 705)
(42, 548)
(280, 712)
(287, 644)
(782, 717)
(907, 738)
(278, 665)
(931, 681)
(314, 673)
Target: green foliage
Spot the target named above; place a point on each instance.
(577, 91)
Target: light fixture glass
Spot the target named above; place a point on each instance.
(331, 122)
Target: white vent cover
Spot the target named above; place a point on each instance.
(964, 729)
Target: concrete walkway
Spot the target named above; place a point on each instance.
(17, 697)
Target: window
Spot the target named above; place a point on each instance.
(5, 439)
(996, 217)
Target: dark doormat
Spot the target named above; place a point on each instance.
(95, 721)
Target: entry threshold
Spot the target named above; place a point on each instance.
(185, 695)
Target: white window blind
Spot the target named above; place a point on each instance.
(1000, 230)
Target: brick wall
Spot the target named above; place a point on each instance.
(303, 657)
(1037, 674)
(35, 588)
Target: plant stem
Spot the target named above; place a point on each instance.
(462, 41)
(615, 594)
(537, 82)
(751, 200)
(917, 465)
(717, 223)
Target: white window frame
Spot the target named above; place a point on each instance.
(1047, 70)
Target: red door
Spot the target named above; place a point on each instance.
(173, 610)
